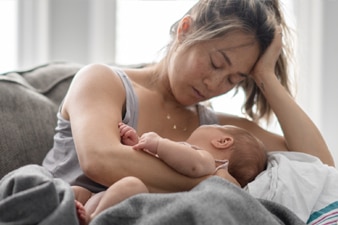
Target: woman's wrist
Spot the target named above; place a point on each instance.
(264, 80)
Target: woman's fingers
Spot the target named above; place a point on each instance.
(267, 62)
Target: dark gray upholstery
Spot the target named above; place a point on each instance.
(29, 101)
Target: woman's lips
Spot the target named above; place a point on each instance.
(199, 94)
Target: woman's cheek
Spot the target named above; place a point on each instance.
(200, 67)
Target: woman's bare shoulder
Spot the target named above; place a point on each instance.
(93, 84)
(96, 73)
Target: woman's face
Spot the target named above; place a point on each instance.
(211, 68)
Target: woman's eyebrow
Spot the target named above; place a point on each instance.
(227, 59)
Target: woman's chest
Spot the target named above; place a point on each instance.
(165, 118)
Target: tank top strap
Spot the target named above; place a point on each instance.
(132, 106)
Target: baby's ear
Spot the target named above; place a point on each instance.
(223, 142)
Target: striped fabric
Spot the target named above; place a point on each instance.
(327, 215)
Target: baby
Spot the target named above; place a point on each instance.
(228, 151)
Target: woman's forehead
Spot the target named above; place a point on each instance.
(234, 40)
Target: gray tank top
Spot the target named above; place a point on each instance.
(62, 160)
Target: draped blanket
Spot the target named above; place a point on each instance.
(30, 195)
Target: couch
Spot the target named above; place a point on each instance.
(29, 101)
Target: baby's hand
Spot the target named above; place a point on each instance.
(148, 142)
(128, 135)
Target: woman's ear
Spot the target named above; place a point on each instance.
(223, 142)
(184, 27)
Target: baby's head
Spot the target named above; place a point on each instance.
(246, 153)
(248, 157)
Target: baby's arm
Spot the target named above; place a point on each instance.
(183, 158)
(128, 135)
(148, 142)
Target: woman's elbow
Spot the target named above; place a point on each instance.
(104, 166)
(91, 165)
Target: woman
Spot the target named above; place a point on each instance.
(217, 46)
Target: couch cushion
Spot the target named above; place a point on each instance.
(29, 101)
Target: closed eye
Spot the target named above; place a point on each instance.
(215, 62)
(213, 65)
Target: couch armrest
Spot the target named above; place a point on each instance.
(29, 101)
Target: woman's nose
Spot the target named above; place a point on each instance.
(213, 81)
(219, 83)
(216, 86)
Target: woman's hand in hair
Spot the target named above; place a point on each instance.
(265, 66)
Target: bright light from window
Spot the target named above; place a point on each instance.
(8, 35)
(143, 28)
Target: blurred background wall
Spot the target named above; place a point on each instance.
(34, 32)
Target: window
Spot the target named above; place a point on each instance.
(143, 28)
(8, 35)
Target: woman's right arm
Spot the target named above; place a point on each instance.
(300, 133)
(94, 106)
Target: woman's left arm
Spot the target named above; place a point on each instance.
(300, 132)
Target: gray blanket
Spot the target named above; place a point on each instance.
(29, 195)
